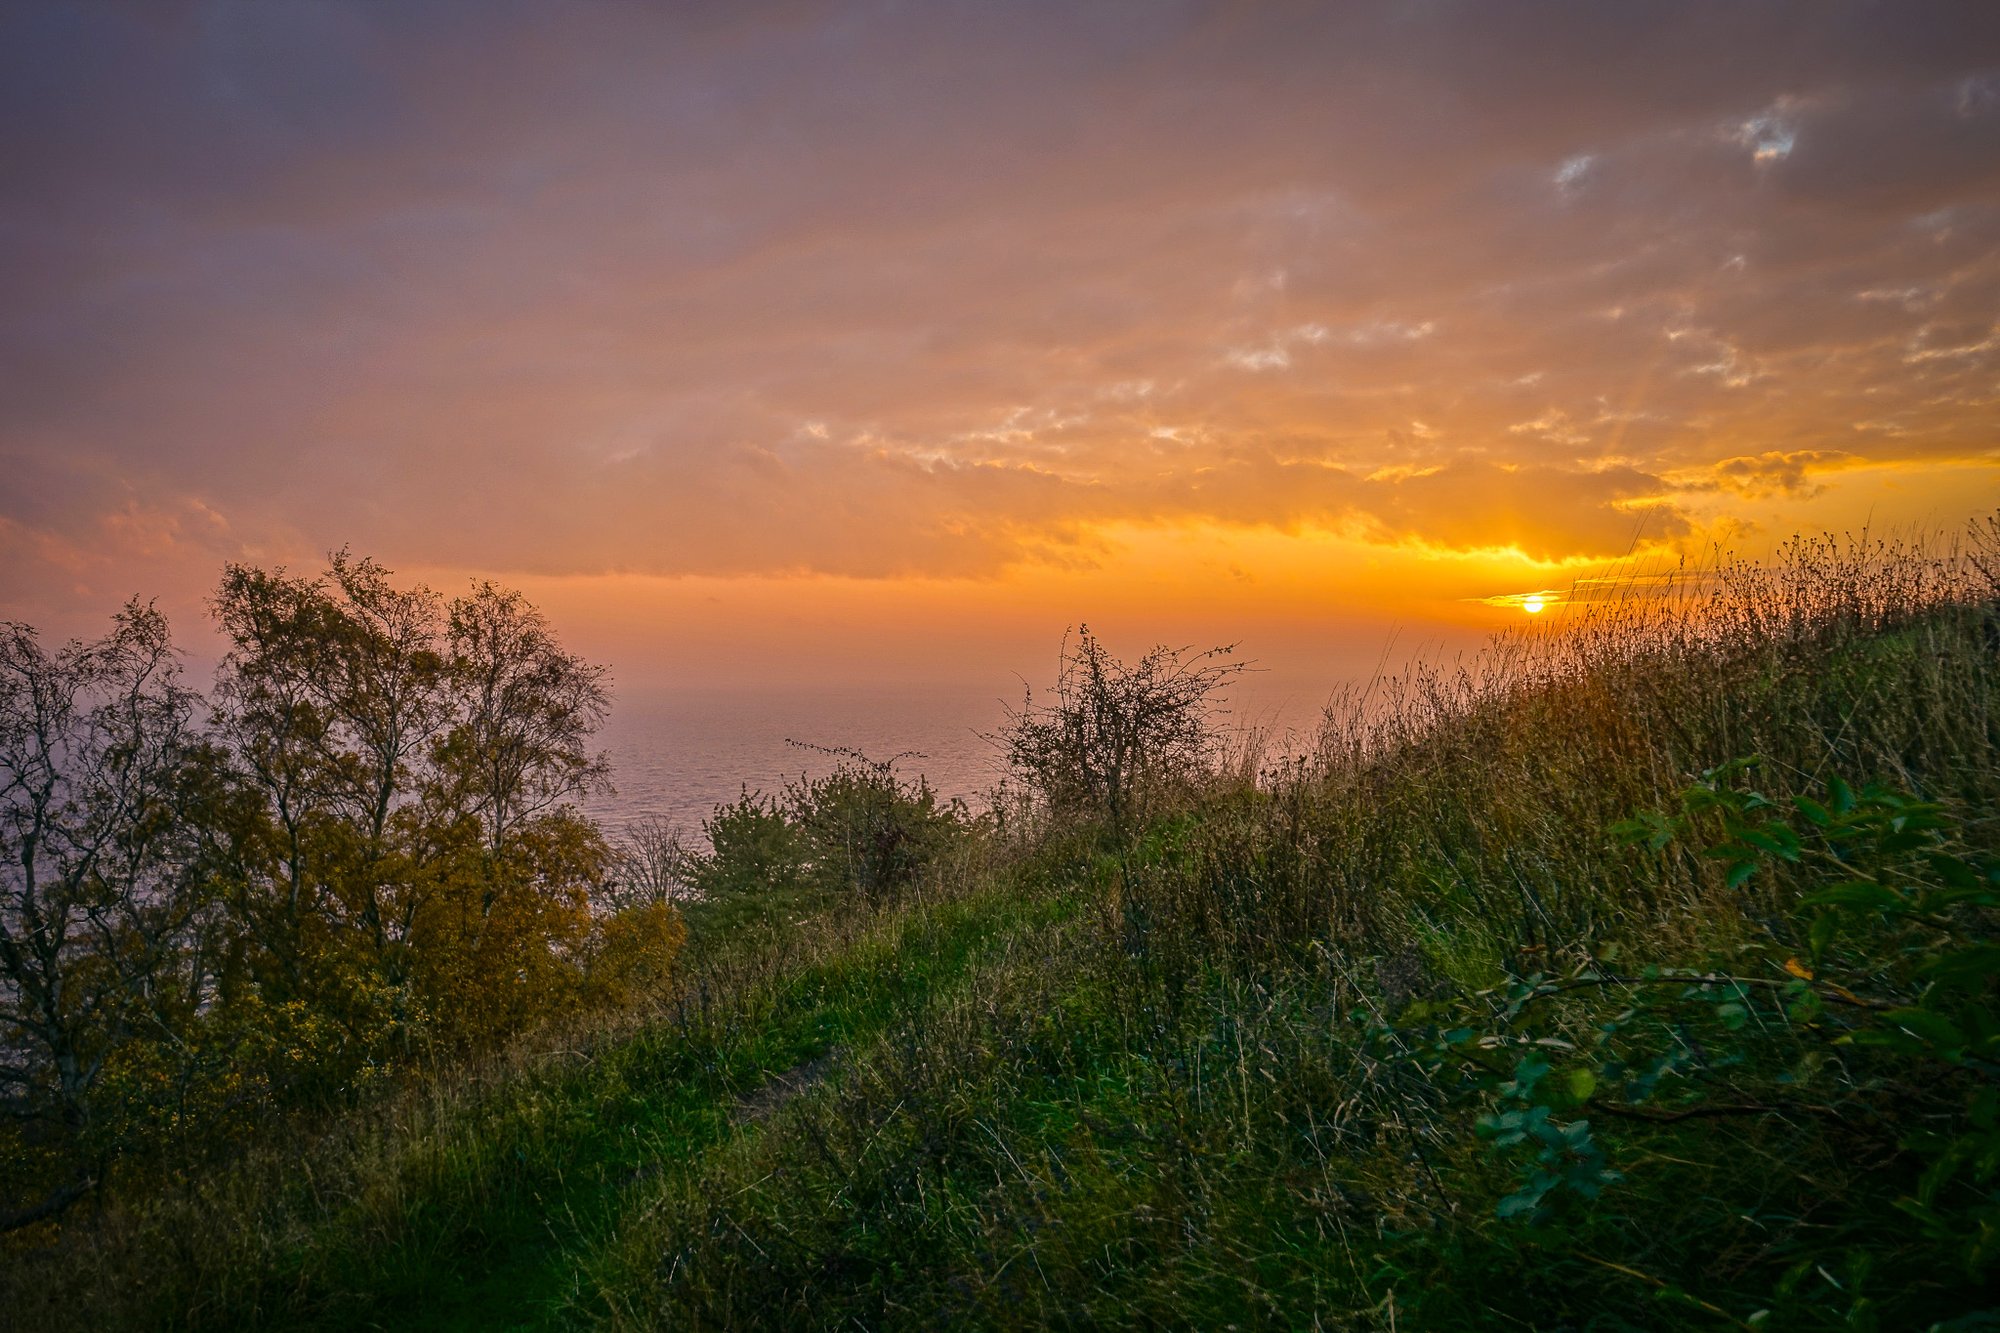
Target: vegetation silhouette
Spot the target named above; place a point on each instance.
(360, 853)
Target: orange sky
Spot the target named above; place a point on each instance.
(800, 342)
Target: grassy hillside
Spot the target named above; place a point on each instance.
(1639, 975)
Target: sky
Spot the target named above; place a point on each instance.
(792, 342)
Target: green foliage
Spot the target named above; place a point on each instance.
(1566, 1155)
(867, 831)
(860, 831)
(753, 848)
(367, 859)
(1392, 1037)
(1896, 1008)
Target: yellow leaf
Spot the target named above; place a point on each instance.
(1798, 969)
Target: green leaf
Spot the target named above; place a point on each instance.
(1714, 777)
(1582, 1083)
(1528, 1073)
(1856, 893)
(1955, 873)
(1936, 900)
(1647, 828)
(1732, 1014)
(1816, 814)
(1524, 1201)
(1774, 838)
(1740, 873)
(1969, 967)
(1894, 1039)
(1935, 1029)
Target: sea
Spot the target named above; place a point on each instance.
(678, 752)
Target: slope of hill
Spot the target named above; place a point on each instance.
(1642, 975)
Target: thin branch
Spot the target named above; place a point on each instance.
(57, 1202)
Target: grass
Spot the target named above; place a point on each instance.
(466, 1204)
(1396, 1034)
(644, 1106)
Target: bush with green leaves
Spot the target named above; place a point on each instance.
(1112, 738)
(358, 853)
(753, 847)
(1857, 1036)
(867, 830)
(861, 830)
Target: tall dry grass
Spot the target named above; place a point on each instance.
(1472, 800)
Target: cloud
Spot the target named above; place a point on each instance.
(1546, 513)
(1779, 472)
(944, 291)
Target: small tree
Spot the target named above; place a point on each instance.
(653, 862)
(101, 894)
(1114, 735)
(412, 858)
(753, 848)
(866, 830)
(638, 931)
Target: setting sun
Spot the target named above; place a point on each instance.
(1533, 605)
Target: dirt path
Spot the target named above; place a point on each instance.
(780, 1089)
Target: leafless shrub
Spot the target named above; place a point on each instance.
(1112, 736)
(654, 862)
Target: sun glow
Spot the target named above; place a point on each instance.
(1533, 605)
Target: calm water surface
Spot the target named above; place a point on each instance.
(677, 753)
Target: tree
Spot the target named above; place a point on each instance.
(415, 854)
(100, 889)
(654, 862)
(1114, 735)
(753, 848)
(866, 831)
(524, 713)
(372, 848)
(331, 692)
(504, 940)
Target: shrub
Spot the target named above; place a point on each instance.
(1114, 737)
(1858, 1042)
(653, 862)
(861, 830)
(752, 848)
(867, 831)
(633, 951)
